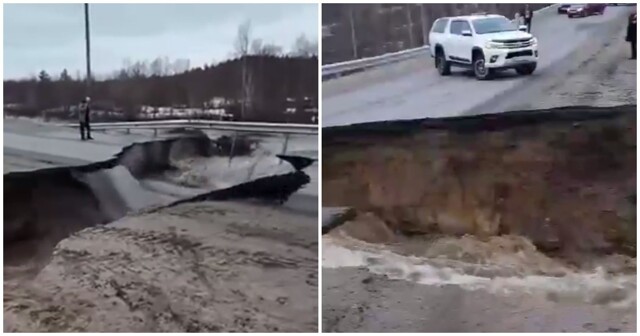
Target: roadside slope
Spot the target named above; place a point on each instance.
(200, 267)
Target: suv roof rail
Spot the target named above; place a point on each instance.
(480, 13)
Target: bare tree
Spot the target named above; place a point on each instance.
(302, 47)
(181, 65)
(243, 39)
(409, 25)
(258, 47)
(157, 67)
(352, 25)
(166, 66)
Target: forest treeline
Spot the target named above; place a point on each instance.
(353, 31)
(260, 83)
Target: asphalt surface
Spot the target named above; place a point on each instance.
(31, 145)
(413, 89)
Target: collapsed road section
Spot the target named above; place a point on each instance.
(93, 248)
(525, 211)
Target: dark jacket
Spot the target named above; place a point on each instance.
(631, 28)
(527, 14)
(83, 112)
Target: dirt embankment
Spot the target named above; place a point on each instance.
(565, 178)
(199, 267)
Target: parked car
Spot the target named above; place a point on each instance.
(562, 9)
(584, 10)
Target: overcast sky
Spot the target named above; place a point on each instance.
(51, 36)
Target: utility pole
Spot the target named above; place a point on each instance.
(88, 46)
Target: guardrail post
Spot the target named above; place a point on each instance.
(284, 146)
(128, 131)
(233, 146)
(155, 132)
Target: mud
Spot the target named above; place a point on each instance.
(197, 267)
(565, 178)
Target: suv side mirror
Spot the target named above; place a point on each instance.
(466, 33)
(522, 28)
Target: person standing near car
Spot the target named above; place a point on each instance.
(631, 33)
(84, 111)
(528, 17)
(518, 20)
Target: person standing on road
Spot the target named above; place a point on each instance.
(631, 33)
(84, 111)
(528, 17)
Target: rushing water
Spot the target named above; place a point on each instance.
(500, 265)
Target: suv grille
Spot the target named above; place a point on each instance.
(519, 54)
(516, 43)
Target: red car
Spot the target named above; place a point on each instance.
(584, 10)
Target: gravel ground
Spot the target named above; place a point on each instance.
(207, 267)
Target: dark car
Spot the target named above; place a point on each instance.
(562, 9)
(584, 10)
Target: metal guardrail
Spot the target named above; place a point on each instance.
(337, 69)
(370, 62)
(235, 127)
(206, 124)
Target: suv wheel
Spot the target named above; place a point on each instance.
(479, 68)
(443, 66)
(527, 69)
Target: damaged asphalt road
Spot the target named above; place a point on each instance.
(79, 259)
(402, 262)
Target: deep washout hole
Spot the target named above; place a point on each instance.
(48, 205)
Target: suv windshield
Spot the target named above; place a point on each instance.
(493, 25)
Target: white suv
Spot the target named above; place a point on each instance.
(484, 43)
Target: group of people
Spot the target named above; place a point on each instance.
(524, 17)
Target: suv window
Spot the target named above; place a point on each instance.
(440, 25)
(493, 25)
(458, 26)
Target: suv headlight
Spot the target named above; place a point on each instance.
(534, 41)
(492, 45)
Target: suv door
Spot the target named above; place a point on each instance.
(466, 42)
(437, 34)
(457, 41)
(455, 29)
